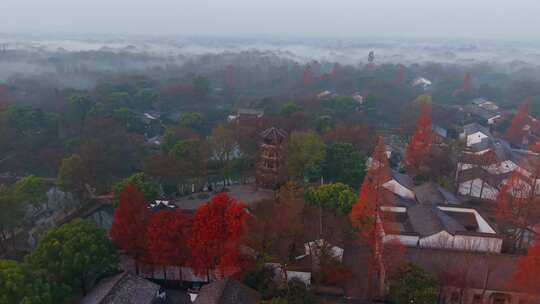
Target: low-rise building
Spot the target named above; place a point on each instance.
(448, 227)
(227, 291)
(125, 288)
(472, 277)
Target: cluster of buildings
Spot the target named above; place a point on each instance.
(446, 233)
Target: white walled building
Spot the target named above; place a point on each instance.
(448, 227)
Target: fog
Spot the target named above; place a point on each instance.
(478, 19)
(75, 42)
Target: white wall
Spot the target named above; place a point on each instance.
(398, 189)
(502, 167)
(485, 192)
(444, 239)
(483, 225)
(406, 240)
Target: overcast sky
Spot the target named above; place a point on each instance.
(488, 19)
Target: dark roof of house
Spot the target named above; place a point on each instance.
(493, 180)
(403, 179)
(454, 267)
(227, 291)
(482, 112)
(427, 220)
(500, 147)
(273, 135)
(431, 193)
(400, 201)
(484, 159)
(466, 219)
(123, 288)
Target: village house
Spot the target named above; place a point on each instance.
(485, 111)
(486, 163)
(125, 288)
(401, 185)
(422, 83)
(226, 291)
(247, 118)
(443, 227)
(472, 277)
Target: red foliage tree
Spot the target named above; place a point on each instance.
(307, 77)
(517, 203)
(129, 222)
(466, 86)
(230, 77)
(421, 142)
(336, 72)
(517, 132)
(167, 236)
(525, 278)
(217, 227)
(359, 136)
(367, 217)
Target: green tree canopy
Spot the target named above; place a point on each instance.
(72, 175)
(414, 286)
(192, 120)
(82, 104)
(115, 101)
(144, 98)
(202, 86)
(335, 196)
(29, 121)
(290, 108)
(11, 217)
(75, 254)
(192, 158)
(20, 285)
(129, 119)
(305, 156)
(344, 164)
(261, 279)
(31, 189)
(344, 106)
(143, 182)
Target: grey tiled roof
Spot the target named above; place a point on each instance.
(273, 135)
(427, 220)
(403, 179)
(122, 288)
(431, 193)
(227, 291)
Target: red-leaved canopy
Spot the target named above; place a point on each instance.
(216, 231)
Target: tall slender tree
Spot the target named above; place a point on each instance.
(466, 86)
(215, 240)
(369, 219)
(129, 223)
(517, 204)
(517, 132)
(307, 76)
(421, 143)
(167, 236)
(525, 277)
